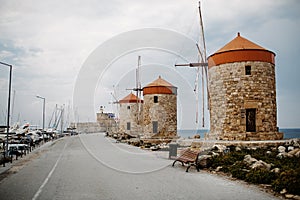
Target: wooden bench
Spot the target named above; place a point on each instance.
(188, 157)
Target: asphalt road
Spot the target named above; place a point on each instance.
(91, 166)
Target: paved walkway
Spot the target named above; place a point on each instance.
(91, 166)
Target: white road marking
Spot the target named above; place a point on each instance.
(49, 175)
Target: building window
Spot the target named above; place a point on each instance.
(155, 99)
(128, 126)
(155, 126)
(128, 107)
(248, 70)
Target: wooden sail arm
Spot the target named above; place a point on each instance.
(135, 89)
(200, 64)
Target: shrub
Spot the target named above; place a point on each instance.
(260, 176)
(290, 180)
(238, 170)
(227, 160)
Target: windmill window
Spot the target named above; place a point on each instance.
(128, 126)
(247, 70)
(155, 99)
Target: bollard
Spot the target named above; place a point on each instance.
(4, 159)
(172, 150)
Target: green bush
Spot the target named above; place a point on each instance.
(238, 170)
(260, 176)
(227, 160)
(289, 180)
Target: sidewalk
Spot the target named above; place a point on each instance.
(7, 167)
(24, 157)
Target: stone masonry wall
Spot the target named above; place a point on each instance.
(105, 121)
(232, 92)
(89, 127)
(164, 112)
(130, 115)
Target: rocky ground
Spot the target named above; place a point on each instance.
(275, 168)
(272, 165)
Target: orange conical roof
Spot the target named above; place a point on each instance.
(131, 98)
(238, 50)
(159, 82)
(159, 86)
(239, 43)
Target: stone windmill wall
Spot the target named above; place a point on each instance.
(130, 123)
(243, 92)
(160, 109)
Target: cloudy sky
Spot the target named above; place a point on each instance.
(49, 41)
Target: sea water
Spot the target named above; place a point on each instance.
(287, 133)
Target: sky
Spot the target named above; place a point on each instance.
(49, 42)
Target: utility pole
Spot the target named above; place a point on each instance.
(44, 101)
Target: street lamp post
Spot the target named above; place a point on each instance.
(8, 103)
(44, 99)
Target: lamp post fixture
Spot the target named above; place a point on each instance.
(44, 99)
(8, 103)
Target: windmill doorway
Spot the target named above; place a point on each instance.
(155, 126)
(250, 120)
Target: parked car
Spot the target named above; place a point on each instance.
(17, 149)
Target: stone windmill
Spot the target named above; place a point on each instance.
(160, 109)
(243, 92)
